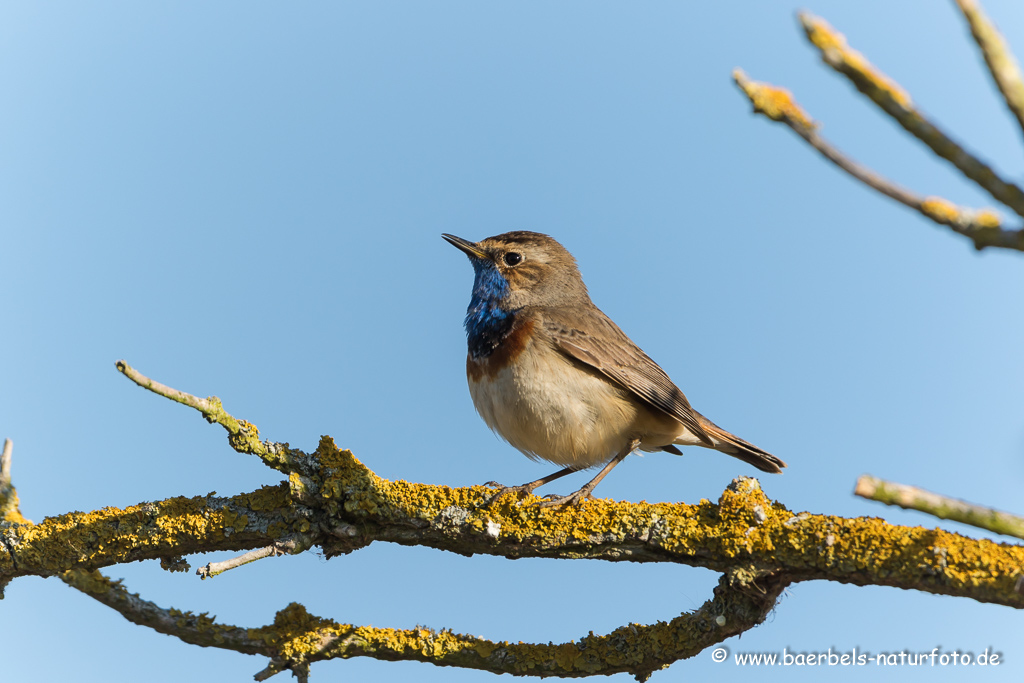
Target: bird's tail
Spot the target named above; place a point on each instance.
(733, 445)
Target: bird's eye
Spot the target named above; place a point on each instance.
(513, 258)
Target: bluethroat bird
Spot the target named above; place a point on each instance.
(557, 379)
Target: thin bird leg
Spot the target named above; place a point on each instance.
(526, 489)
(584, 493)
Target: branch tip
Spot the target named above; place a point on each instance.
(775, 103)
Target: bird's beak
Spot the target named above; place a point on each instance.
(471, 248)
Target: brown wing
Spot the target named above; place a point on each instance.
(589, 336)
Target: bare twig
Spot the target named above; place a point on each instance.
(913, 498)
(9, 510)
(209, 407)
(243, 436)
(214, 568)
(1001, 63)
(981, 227)
(895, 101)
(287, 547)
(5, 463)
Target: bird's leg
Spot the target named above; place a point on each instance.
(525, 489)
(578, 497)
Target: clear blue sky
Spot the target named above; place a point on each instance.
(246, 199)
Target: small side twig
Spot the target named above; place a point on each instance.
(209, 407)
(1001, 63)
(9, 508)
(289, 547)
(5, 463)
(937, 505)
(983, 227)
(243, 436)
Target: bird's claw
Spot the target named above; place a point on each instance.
(520, 491)
(576, 499)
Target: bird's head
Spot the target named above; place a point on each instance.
(518, 269)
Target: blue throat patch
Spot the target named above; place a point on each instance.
(486, 322)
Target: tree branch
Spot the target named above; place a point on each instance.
(243, 436)
(895, 101)
(190, 628)
(339, 505)
(167, 528)
(1001, 63)
(982, 227)
(943, 507)
(296, 639)
(744, 529)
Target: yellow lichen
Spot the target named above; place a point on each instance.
(9, 506)
(745, 534)
(170, 524)
(941, 210)
(987, 219)
(838, 53)
(774, 102)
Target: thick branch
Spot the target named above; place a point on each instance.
(1001, 63)
(895, 101)
(635, 649)
(943, 507)
(296, 638)
(167, 528)
(744, 529)
(340, 506)
(981, 227)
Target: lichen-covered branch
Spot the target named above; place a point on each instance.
(759, 545)
(895, 101)
(982, 227)
(334, 502)
(167, 528)
(297, 639)
(943, 507)
(1001, 63)
(634, 648)
(356, 507)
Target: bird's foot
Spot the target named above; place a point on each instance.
(526, 489)
(576, 498)
(519, 491)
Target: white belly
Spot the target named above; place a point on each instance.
(551, 409)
